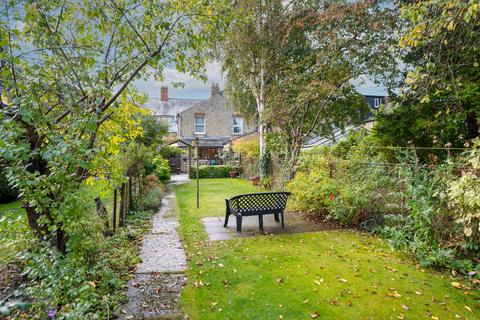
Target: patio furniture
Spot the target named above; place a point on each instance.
(256, 204)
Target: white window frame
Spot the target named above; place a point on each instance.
(238, 125)
(195, 125)
(376, 102)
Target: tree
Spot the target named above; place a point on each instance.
(326, 45)
(65, 64)
(249, 58)
(440, 46)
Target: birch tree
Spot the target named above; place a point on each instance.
(249, 57)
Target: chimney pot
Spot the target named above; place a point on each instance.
(215, 89)
(164, 94)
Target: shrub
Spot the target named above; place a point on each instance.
(336, 184)
(222, 171)
(150, 200)
(161, 167)
(170, 151)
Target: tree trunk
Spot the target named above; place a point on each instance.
(261, 109)
(471, 123)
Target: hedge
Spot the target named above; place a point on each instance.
(222, 171)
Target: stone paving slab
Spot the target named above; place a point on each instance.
(294, 223)
(158, 280)
(155, 296)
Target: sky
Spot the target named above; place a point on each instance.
(197, 89)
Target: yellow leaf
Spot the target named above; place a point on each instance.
(468, 308)
(394, 294)
(92, 284)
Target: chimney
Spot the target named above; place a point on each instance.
(164, 94)
(215, 89)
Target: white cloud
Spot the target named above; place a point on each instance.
(194, 89)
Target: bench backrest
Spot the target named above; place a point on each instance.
(262, 201)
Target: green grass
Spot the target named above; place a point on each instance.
(335, 274)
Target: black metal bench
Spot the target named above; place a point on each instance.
(256, 204)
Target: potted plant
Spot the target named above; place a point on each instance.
(233, 173)
(255, 178)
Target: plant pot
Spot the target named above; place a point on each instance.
(254, 180)
(233, 174)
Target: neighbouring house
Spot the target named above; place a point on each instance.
(215, 122)
(166, 109)
(373, 101)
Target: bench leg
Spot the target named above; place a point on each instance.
(226, 220)
(276, 217)
(227, 213)
(260, 222)
(281, 214)
(239, 223)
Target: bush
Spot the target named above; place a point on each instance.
(161, 167)
(222, 171)
(150, 200)
(336, 184)
(170, 151)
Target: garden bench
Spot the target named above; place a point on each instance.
(256, 204)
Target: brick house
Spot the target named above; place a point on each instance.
(166, 109)
(215, 122)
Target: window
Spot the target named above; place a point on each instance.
(237, 125)
(376, 102)
(199, 124)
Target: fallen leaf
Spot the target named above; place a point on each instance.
(418, 293)
(314, 315)
(468, 308)
(394, 294)
(92, 284)
(305, 301)
(279, 280)
(404, 306)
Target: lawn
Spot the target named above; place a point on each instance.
(326, 275)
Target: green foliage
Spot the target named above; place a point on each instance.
(67, 69)
(464, 195)
(153, 131)
(170, 151)
(221, 171)
(336, 183)
(161, 167)
(7, 194)
(151, 200)
(440, 96)
(419, 208)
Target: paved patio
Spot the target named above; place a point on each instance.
(294, 223)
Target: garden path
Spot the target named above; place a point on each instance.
(157, 283)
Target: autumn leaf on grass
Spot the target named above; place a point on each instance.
(458, 285)
(404, 306)
(92, 284)
(279, 280)
(314, 315)
(394, 294)
(468, 308)
(318, 282)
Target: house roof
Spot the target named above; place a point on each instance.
(216, 142)
(171, 107)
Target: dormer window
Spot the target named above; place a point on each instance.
(237, 125)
